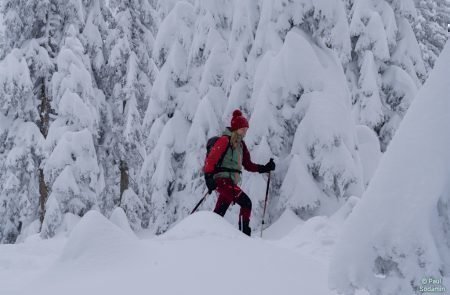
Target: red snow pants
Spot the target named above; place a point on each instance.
(229, 193)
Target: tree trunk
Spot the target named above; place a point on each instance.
(44, 114)
(43, 192)
(124, 178)
(52, 35)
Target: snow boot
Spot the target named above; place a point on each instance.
(244, 226)
(246, 229)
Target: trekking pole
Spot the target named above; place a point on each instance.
(199, 203)
(265, 204)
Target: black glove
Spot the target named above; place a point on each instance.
(210, 182)
(270, 166)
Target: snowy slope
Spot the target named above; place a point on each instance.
(202, 254)
(283, 226)
(398, 233)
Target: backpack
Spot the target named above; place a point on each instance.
(209, 144)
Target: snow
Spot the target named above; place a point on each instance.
(369, 151)
(408, 53)
(23, 262)
(93, 239)
(75, 147)
(119, 218)
(143, 84)
(370, 107)
(282, 226)
(398, 233)
(16, 86)
(199, 225)
(317, 237)
(375, 33)
(197, 255)
(72, 105)
(299, 189)
(69, 222)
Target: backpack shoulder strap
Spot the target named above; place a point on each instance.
(224, 153)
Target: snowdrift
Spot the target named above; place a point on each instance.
(119, 218)
(94, 238)
(203, 254)
(285, 224)
(398, 234)
(316, 237)
(202, 224)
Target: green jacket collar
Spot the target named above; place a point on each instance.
(227, 131)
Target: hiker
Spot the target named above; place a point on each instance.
(223, 167)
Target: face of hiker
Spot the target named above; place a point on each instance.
(242, 131)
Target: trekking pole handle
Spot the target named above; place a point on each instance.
(271, 160)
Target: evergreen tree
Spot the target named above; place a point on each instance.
(387, 63)
(168, 116)
(28, 28)
(72, 169)
(132, 73)
(430, 28)
(46, 35)
(21, 148)
(97, 37)
(289, 106)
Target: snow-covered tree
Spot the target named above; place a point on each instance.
(95, 33)
(72, 169)
(131, 75)
(2, 37)
(430, 28)
(387, 67)
(289, 105)
(37, 29)
(398, 233)
(96, 38)
(169, 115)
(32, 26)
(21, 148)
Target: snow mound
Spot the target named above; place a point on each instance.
(30, 232)
(202, 224)
(68, 223)
(283, 226)
(95, 237)
(318, 235)
(119, 218)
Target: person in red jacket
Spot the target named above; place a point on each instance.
(223, 168)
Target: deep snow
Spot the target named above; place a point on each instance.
(398, 235)
(202, 254)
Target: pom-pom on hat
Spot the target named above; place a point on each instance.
(238, 121)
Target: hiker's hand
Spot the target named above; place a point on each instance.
(270, 166)
(210, 182)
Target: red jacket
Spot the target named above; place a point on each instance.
(219, 148)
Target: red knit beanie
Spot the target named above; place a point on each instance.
(238, 121)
